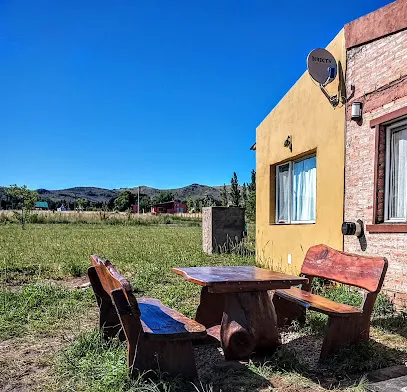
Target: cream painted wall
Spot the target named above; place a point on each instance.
(314, 124)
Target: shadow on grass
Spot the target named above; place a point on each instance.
(92, 364)
(216, 374)
(348, 364)
(397, 323)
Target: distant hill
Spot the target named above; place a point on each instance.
(96, 195)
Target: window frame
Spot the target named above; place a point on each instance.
(390, 129)
(277, 186)
(290, 193)
(378, 124)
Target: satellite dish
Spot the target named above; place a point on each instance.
(322, 66)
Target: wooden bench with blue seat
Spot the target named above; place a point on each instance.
(346, 324)
(158, 338)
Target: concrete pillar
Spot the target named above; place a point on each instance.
(221, 226)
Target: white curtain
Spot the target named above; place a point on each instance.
(398, 175)
(283, 181)
(304, 190)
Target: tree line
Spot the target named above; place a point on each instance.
(242, 196)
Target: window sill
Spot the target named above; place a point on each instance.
(387, 228)
(292, 223)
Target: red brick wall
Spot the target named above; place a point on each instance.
(378, 72)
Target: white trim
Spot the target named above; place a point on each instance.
(389, 131)
(302, 222)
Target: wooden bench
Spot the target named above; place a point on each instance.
(346, 324)
(157, 337)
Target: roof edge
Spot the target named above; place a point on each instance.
(387, 20)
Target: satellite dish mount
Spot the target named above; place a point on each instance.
(323, 68)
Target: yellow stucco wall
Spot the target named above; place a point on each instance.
(315, 125)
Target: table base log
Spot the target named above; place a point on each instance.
(248, 321)
(210, 309)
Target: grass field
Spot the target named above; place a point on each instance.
(48, 335)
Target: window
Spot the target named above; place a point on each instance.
(396, 173)
(296, 191)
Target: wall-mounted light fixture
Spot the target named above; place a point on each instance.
(353, 228)
(288, 143)
(356, 111)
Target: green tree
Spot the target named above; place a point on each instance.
(190, 204)
(83, 203)
(145, 202)
(124, 201)
(208, 201)
(244, 195)
(234, 191)
(224, 196)
(22, 198)
(198, 203)
(251, 198)
(163, 197)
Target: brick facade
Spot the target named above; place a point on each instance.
(377, 77)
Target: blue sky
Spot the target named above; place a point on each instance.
(160, 93)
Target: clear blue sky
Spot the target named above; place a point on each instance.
(160, 93)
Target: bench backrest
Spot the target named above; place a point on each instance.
(354, 270)
(111, 280)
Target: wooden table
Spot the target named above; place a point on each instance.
(237, 308)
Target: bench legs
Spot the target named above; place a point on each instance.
(288, 311)
(109, 322)
(342, 331)
(249, 324)
(172, 357)
(175, 357)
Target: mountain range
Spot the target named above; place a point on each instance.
(95, 195)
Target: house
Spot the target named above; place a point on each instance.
(376, 147)
(316, 167)
(300, 172)
(169, 207)
(41, 205)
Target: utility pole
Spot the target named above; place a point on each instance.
(138, 200)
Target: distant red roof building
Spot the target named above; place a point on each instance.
(169, 207)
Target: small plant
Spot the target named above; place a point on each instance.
(74, 268)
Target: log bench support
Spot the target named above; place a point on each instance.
(346, 324)
(158, 338)
(342, 331)
(248, 321)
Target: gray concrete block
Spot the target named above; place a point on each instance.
(221, 226)
(398, 384)
(390, 379)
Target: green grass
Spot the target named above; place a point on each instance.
(39, 309)
(31, 306)
(144, 254)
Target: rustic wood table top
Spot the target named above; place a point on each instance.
(237, 278)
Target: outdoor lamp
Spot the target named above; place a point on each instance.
(353, 228)
(356, 111)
